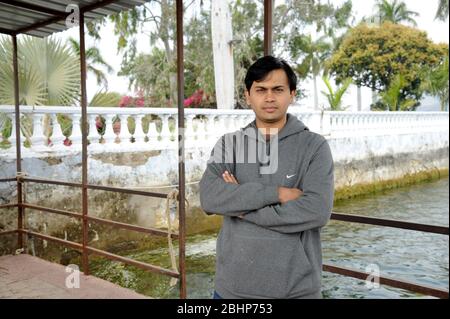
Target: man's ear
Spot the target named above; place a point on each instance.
(293, 94)
(247, 97)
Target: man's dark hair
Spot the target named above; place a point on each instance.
(259, 70)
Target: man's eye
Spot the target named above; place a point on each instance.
(279, 90)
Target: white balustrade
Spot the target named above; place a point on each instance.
(12, 137)
(76, 135)
(124, 135)
(109, 136)
(208, 126)
(57, 137)
(38, 139)
(153, 135)
(93, 137)
(139, 135)
(165, 130)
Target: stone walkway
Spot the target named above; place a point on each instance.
(25, 276)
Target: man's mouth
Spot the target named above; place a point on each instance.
(269, 109)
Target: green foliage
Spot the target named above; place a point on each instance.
(392, 97)
(442, 11)
(103, 98)
(374, 56)
(48, 72)
(247, 25)
(435, 82)
(150, 74)
(307, 53)
(334, 96)
(199, 65)
(94, 62)
(395, 11)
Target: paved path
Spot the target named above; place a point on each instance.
(25, 276)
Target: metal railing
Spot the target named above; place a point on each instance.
(414, 287)
(402, 284)
(85, 249)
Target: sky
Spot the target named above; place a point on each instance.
(437, 31)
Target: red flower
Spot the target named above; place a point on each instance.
(195, 99)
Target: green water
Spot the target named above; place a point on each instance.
(402, 254)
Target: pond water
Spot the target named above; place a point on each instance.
(402, 254)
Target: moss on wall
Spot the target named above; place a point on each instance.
(348, 192)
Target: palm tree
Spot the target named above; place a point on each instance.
(94, 60)
(334, 96)
(49, 73)
(395, 12)
(392, 96)
(442, 11)
(314, 54)
(435, 83)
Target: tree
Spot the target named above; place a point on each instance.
(392, 97)
(295, 19)
(442, 11)
(314, 53)
(395, 12)
(150, 74)
(49, 72)
(436, 83)
(94, 60)
(247, 24)
(373, 56)
(104, 98)
(334, 96)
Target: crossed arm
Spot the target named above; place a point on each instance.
(285, 210)
(285, 194)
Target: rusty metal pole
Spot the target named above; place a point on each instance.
(84, 177)
(20, 209)
(181, 171)
(268, 14)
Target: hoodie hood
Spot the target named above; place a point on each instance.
(293, 126)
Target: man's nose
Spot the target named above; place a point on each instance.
(270, 96)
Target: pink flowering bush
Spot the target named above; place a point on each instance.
(195, 99)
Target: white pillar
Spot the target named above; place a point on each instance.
(57, 137)
(190, 134)
(12, 137)
(222, 36)
(139, 135)
(38, 139)
(75, 137)
(94, 137)
(165, 130)
(125, 136)
(153, 136)
(109, 136)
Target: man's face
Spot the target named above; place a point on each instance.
(271, 97)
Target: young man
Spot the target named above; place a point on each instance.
(273, 207)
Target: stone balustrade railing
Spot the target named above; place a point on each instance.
(156, 128)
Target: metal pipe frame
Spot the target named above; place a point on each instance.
(268, 40)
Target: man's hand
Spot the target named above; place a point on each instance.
(229, 178)
(286, 194)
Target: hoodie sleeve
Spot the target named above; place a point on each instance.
(312, 209)
(219, 197)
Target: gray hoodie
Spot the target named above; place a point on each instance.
(274, 251)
